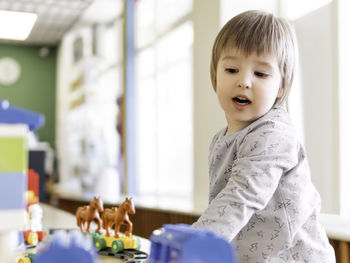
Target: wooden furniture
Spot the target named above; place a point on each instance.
(342, 250)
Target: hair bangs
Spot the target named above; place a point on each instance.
(256, 35)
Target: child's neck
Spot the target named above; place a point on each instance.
(236, 126)
(231, 129)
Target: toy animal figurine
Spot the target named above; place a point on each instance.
(108, 216)
(89, 213)
(119, 216)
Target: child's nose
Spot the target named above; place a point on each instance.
(244, 82)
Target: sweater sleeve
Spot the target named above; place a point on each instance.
(264, 154)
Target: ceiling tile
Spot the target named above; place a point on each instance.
(55, 17)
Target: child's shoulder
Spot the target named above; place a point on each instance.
(276, 119)
(274, 125)
(273, 132)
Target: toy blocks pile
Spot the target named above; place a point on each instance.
(15, 124)
(13, 175)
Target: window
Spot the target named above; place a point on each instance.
(163, 97)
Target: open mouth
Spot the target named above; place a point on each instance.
(241, 100)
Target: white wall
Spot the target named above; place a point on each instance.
(230, 8)
(343, 19)
(208, 117)
(316, 33)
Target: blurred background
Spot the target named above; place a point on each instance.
(124, 86)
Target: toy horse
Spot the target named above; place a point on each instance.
(89, 213)
(119, 216)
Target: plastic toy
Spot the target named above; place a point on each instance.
(33, 188)
(88, 213)
(27, 259)
(118, 217)
(70, 247)
(108, 216)
(35, 217)
(116, 244)
(14, 126)
(32, 238)
(13, 173)
(14, 115)
(34, 232)
(182, 244)
(124, 246)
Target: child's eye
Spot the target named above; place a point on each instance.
(231, 70)
(261, 75)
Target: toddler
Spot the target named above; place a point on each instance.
(261, 195)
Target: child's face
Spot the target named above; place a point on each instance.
(247, 86)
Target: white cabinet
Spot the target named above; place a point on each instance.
(89, 83)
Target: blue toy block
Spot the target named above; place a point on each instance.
(68, 248)
(13, 115)
(20, 238)
(182, 244)
(12, 189)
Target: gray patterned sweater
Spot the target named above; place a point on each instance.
(261, 195)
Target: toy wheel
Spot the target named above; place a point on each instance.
(95, 237)
(31, 256)
(100, 243)
(24, 260)
(33, 239)
(117, 246)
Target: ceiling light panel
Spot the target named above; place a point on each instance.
(19, 24)
(54, 19)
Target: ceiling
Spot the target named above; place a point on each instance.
(56, 17)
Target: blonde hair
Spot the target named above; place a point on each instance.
(260, 32)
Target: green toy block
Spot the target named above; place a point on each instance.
(13, 154)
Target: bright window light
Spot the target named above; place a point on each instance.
(18, 24)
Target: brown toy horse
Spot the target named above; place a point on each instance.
(89, 213)
(119, 216)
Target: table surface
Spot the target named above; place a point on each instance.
(54, 218)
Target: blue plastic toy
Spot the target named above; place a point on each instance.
(182, 244)
(68, 248)
(12, 115)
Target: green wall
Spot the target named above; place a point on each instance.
(36, 88)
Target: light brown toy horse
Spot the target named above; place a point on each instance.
(118, 216)
(89, 213)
